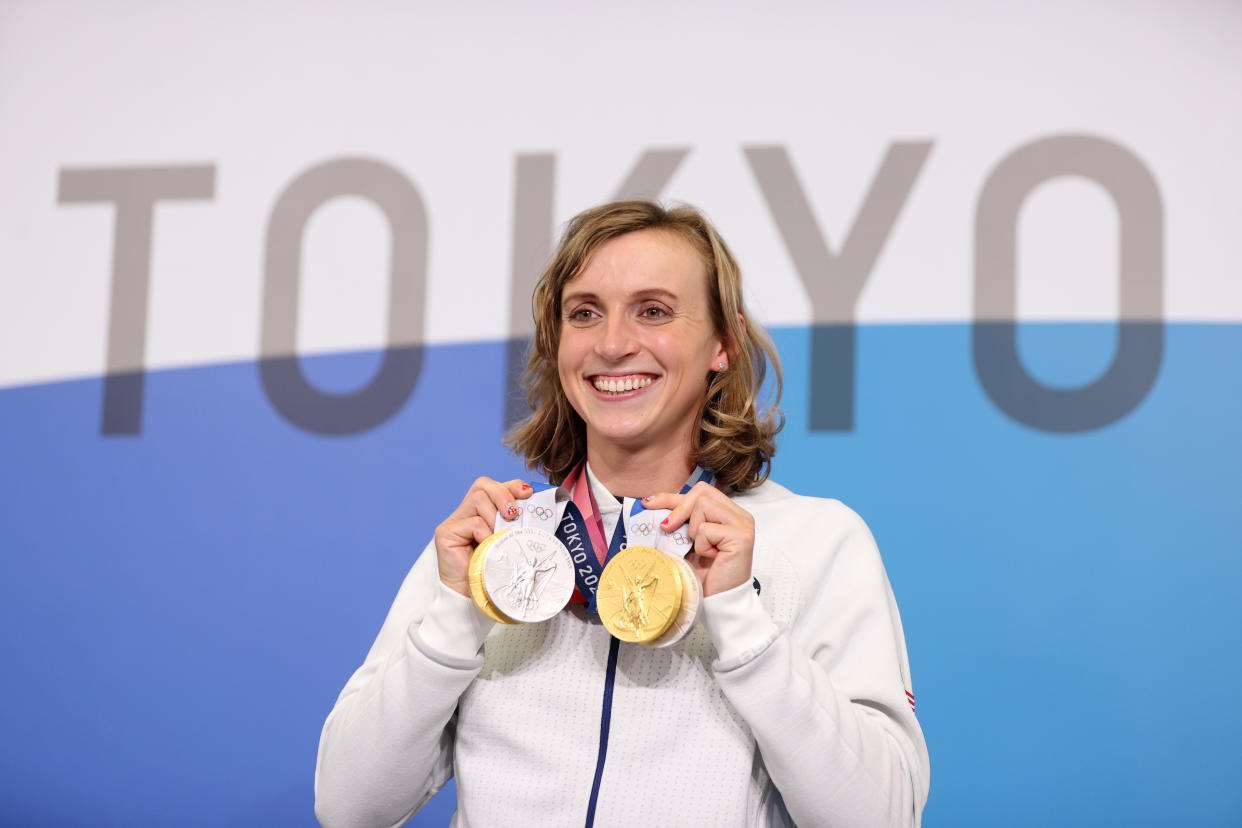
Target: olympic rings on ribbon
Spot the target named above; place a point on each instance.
(541, 512)
(680, 539)
(643, 529)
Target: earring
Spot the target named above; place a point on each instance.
(720, 366)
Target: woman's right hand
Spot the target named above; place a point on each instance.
(472, 523)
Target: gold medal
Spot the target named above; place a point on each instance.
(691, 602)
(639, 594)
(474, 575)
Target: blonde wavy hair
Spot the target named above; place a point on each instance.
(736, 435)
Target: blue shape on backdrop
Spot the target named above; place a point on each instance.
(179, 610)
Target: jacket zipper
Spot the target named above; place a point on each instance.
(605, 721)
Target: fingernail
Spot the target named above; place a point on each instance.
(647, 499)
(525, 486)
(512, 511)
(664, 522)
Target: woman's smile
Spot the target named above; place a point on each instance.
(621, 386)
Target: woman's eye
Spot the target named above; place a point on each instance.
(654, 312)
(581, 315)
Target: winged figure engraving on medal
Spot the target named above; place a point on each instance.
(634, 606)
(532, 573)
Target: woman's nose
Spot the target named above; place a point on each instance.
(616, 338)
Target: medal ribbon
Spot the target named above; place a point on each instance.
(542, 510)
(582, 517)
(644, 524)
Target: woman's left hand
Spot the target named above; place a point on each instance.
(723, 534)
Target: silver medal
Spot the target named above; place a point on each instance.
(528, 574)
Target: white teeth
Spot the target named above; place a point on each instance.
(611, 385)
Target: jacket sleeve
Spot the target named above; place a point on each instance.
(826, 697)
(387, 746)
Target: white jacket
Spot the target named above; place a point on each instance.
(789, 703)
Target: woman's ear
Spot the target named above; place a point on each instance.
(727, 346)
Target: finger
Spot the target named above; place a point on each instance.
(716, 504)
(670, 502)
(707, 500)
(680, 512)
(717, 508)
(706, 510)
(662, 500)
(463, 532)
(710, 537)
(480, 529)
(470, 503)
(690, 511)
(713, 539)
(505, 494)
(479, 503)
(490, 498)
(519, 489)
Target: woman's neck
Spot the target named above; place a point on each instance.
(641, 472)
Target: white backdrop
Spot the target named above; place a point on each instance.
(450, 94)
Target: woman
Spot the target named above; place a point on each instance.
(788, 701)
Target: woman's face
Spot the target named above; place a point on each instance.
(637, 342)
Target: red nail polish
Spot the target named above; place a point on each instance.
(664, 522)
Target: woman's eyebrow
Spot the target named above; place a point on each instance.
(578, 296)
(638, 295)
(656, 293)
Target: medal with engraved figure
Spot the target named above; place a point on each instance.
(640, 594)
(528, 574)
(522, 572)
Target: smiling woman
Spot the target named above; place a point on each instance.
(746, 668)
(640, 293)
